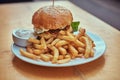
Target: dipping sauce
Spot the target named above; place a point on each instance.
(24, 33)
(20, 36)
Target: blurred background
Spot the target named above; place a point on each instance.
(106, 10)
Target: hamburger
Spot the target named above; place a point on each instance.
(55, 40)
(51, 18)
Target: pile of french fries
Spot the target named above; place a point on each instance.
(60, 47)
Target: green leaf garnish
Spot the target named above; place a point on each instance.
(75, 25)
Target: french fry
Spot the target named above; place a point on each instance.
(88, 37)
(70, 35)
(88, 46)
(43, 43)
(65, 47)
(67, 38)
(80, 55)
(91, 53)
(62, 50)
(62, 32)
(45, 57)
(29, 49)
(92, 50)
(38, 46)
(56, 53)
(73, 51)
(29, 55)
(46, 35)
(79, 43)
(61, 43)
(81, 50)
(67, 56)
(37, 51)
(33, 40)
(49, 40)
(49, 55)
(55, 41)
(63, 60)
(61, 57)
(93, 45)
(81, 33)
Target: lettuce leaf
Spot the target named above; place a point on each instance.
(75, 25)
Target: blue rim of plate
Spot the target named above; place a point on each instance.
(99, 51)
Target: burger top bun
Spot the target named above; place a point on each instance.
(51, 18)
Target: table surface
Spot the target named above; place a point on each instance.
(19, 15)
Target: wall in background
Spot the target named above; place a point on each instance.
(106, 10)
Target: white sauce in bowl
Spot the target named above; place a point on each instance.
(24, 33)
(20, 36)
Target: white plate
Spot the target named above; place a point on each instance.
(99, 50)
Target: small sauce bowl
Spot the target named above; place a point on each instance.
(20, 36)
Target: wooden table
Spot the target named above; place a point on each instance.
(19, 15)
